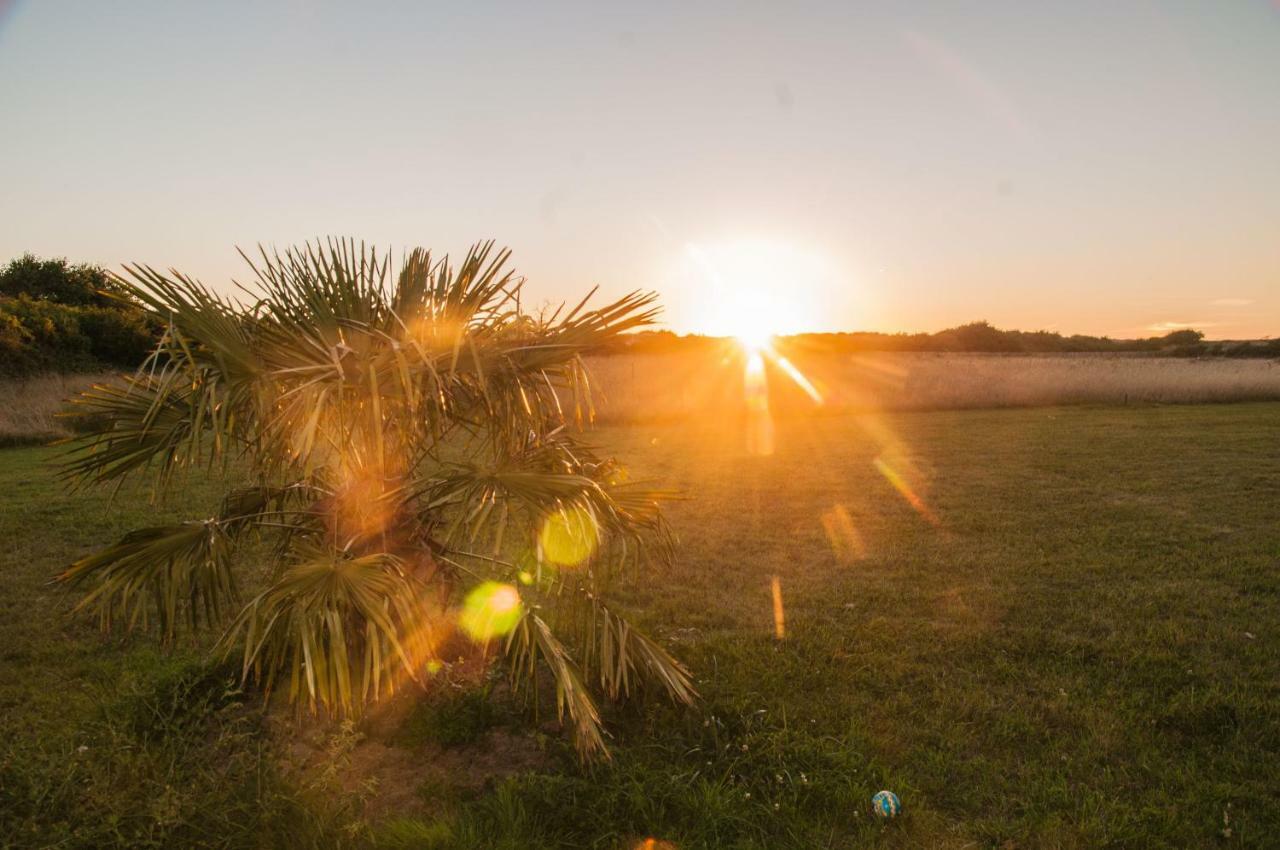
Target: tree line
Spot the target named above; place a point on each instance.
(974, 337)
(55, 316)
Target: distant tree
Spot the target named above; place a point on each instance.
(977, 336)
(58, 281)
(1186, 336)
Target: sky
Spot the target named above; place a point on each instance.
(1093, 167)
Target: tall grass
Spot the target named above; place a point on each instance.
(650, 387)
(30, 407)
(660, 386)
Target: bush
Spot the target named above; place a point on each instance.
(59, 282)
(1186, 337)
(45, 336)
(59, 317)
(451, 720)
(119, 337)
(14, 337)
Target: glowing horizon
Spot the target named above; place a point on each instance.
(871, 167)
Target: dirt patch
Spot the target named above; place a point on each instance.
(372, 761)
(392, 779)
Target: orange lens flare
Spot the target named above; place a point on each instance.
(361, 507)
(779, 615)
(842, 535)
(801, 381)
(755, 386)
(904, 489)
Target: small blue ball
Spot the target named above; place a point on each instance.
(885, 804)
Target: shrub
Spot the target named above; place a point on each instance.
(58, 317)
(44, 336)
(59, 282)
(456, 718)
(119, 337)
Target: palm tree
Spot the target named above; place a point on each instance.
(407, 449)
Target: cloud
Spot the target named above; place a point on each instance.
(1232, 302)
(1166, 327)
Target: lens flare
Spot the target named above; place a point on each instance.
(842, 535)
(755, 388)
(653, 844)
(569, 536)
(779, 615)
(904, 489)
(796, 375)
(491, 610)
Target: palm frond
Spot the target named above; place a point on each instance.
(383, 416)
(344, 630)
(531, 641)
(143, 424)
(623, 657)
(172, 572)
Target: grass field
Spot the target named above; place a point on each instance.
(1050, 627)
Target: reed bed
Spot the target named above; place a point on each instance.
(656, 387)
(30, 407)
(648, 387)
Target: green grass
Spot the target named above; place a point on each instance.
(1082, 651)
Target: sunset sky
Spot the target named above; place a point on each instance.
(1097, 167)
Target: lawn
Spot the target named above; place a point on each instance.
(1051, 627)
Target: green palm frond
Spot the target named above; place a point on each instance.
(532, 641)
(557, 475)
(173, 571)
(148, 424)
(623, 658)
(344, 630)
(380, 417)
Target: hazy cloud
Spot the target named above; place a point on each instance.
(1232, 302)
(1166, 327)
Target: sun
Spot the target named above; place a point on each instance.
(751, 317)
(755, 339)
(756, 289)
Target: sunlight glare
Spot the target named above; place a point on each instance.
(756, 289)
(899, 483)
(755, 388)
(754, 339)
(796, 375)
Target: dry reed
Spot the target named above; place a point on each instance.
(649, 387)
(29, 407)
(658, 386)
